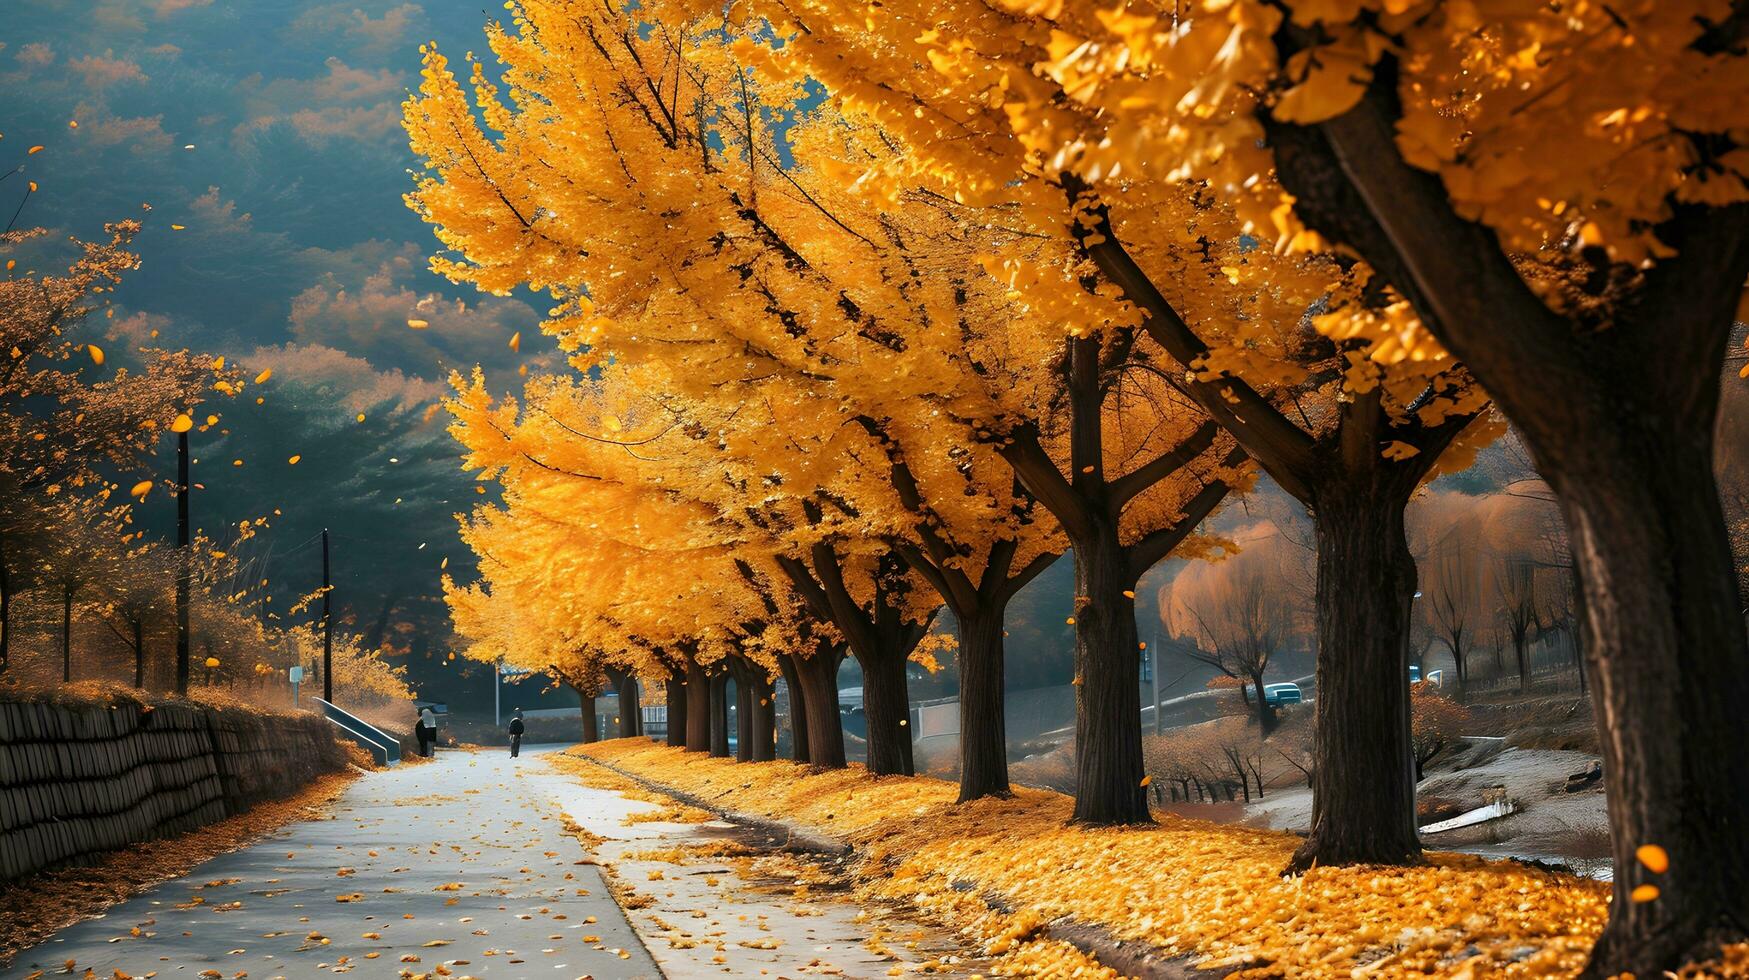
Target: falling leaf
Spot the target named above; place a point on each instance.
(96, 353)
(72, 124)
(141, 489)
(263, 376)
(516, 341)
(1653, 857)
(33, 187)
(219, 363)
(1645, 893)
(361, 416)
(212, 661)
(236, 462)
(182, 424)
(177, 227)
(418, 324)
(294, 460)
(33, 150)
(1147, 779)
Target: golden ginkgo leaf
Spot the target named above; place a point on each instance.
(96, 353)
(33, 150)
(516, 340)
(182, 424)
(141, 489)
(294, 460)
(212, 661)
(263, 376)
(418, 324)
(177, 227)
(219, 363)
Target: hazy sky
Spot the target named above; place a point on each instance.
(271, 131)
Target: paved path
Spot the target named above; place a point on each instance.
(447, 869)
(709, 918)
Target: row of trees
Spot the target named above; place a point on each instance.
(860, 305)
(80, 440)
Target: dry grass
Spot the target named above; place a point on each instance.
(39, 906)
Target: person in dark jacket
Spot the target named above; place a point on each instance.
(516, 729)
(427, 731)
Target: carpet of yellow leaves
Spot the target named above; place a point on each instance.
(1209, 893)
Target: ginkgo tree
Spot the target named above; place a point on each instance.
(1350, 428)
(876, 310)
(1557, 193)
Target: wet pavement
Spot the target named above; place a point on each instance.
(457, 868)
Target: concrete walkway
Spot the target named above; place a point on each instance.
(445, 869)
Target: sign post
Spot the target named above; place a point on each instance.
(297, 677)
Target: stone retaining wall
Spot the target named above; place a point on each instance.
(78, 779)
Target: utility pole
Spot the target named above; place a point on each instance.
(327, 628)
(184, 567)
(1154, 674)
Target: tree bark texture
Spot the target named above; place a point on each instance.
(983, 726)
(819, 687)
(698, 707)
(743, 714)
(798, 709)
(1108, 699)
(719, 712)
(1363, 781)
(674, 689)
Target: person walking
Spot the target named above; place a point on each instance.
(516, 730)
(427, 731)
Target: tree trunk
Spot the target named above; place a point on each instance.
(1520, 652)
(675, 690)
(743, 714)
(1579, 615)
(1265, 711)
(1108, 700)
(1665, 646)
(139, 628)
(67, 634)
(1364, 770)
(819, 687)
(591, 721)
(798, 708)
(631, 709)
(698, 708)
(719, 713)
(886, 704)
(983, 728)
(764, 728)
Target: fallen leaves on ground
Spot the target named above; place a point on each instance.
(1210, 893)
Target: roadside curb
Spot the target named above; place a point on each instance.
(1131, 958)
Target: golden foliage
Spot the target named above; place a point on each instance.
(1211, 893)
